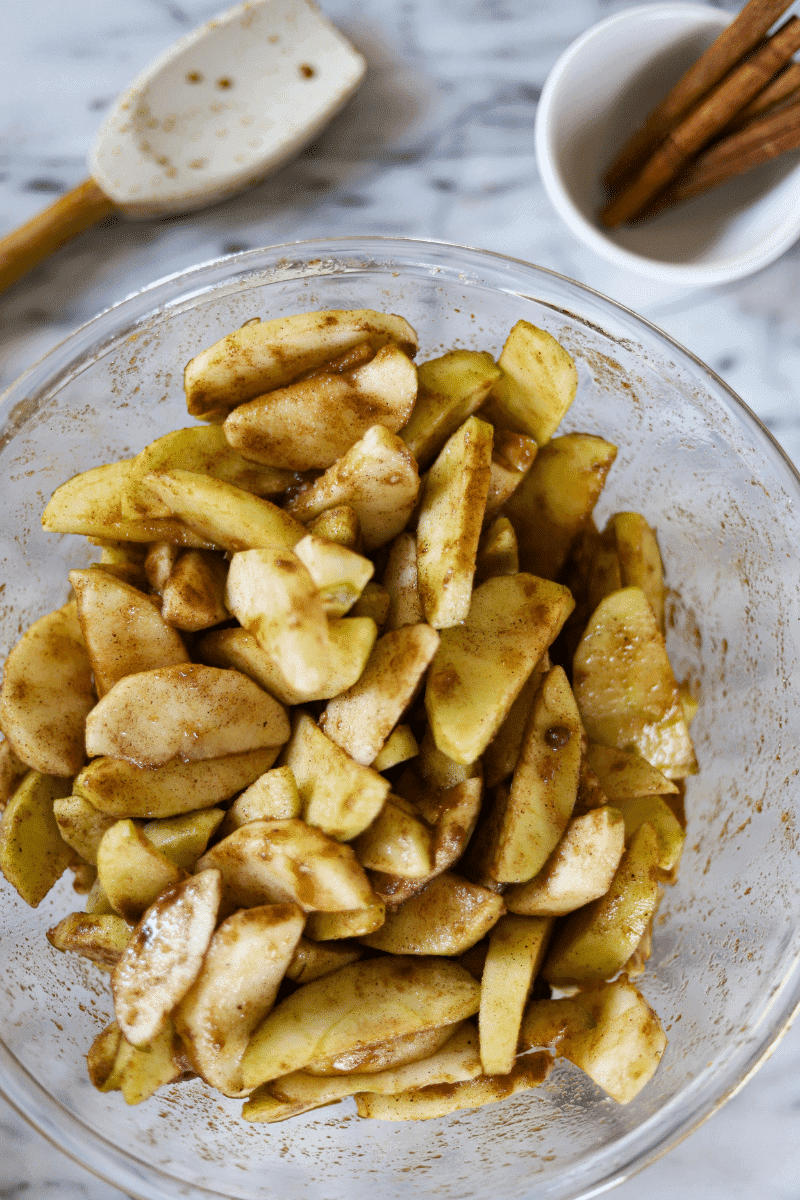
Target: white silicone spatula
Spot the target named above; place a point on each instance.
(219, 111)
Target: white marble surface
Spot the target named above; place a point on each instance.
(438, 143)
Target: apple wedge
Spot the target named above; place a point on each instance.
(273, 797)
(580, 869)
(538, 383)
(98, 937)
(131, 871)
(512, 458)
(47, 694)
(449, 525)
(193, 597)
(361, 719)
(481, 666)
(447, 917)
(224, 517)
(309, 424)
(33, 855)
(351, 642)
(624, 774)
(595, 942)
(164, 956)
(92, 503)
(275, 862)
(451, 389)
(339, 573)
(124, 790)
(187, 712)
(438, 1100)
(400, 580)
(81, 825)
(264, 355)
(625, 687)
(364, 1004)
(205, 450)
(544, 786)
(123, 630)
(555, 500)
(516, 950)
(377, 478)
(245, 962)
(338, 795)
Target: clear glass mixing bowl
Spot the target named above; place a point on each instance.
(724, 974)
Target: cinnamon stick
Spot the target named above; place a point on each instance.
(762, 140)
(781, 91)
(702, 124)
(741, 36)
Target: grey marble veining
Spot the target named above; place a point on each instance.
(438, 143)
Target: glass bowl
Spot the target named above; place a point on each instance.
(724, 975)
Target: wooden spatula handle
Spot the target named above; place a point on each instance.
(71, 214)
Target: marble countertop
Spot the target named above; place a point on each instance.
(438, 143)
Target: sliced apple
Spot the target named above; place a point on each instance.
(275, 862)
(263, 355)
(99, 937)
(580, 869)
(625, 687)
(164, 956)
(339, 573)
(205, 450)
(123, 790)
(131, 871)
(309, 424)
(123, 629)
(480, 666)
(450, 520)
(538, 383)
(421, 1104)
(273, 796)
(556, 498)
(516, 950)
(451, 389)
(377, 478)
(363, 1004)
(361, 719)
(338, 795)
(187, 712)
(544, 786)
(351, 642)
(47, 693)
(92, 504)
(33, 855)
(81, 825)
(223, 516)
(193, 598)
(235, 989)
(446, 917)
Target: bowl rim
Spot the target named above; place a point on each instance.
(647, 1142)
(746, 263)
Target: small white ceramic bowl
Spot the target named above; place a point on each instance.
(597, 93)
